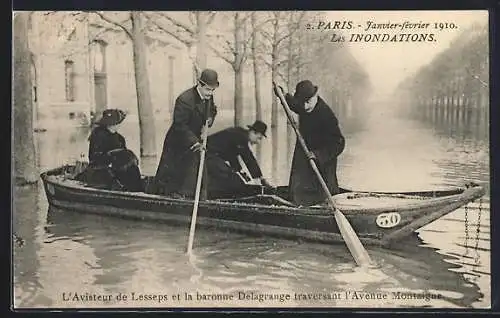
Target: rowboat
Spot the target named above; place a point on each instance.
(379, 218)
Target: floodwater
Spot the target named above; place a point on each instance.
(64, 253)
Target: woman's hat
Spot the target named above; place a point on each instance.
(112, 117)
(304, 90)
(258, 126)
(209, 77)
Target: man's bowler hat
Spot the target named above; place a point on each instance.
(304, 90)
(209, 77)
(259, 126)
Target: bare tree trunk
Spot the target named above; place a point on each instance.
(35, 61)
(171, 59)
(144, 104)
(90, 74)
(238, 70)
(25, 170)
(274, 113)
(201, 43)
(238, 96)
(256, 73)
(290, 134)
(274, 103)
(34, 47)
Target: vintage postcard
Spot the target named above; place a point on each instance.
(239, 159)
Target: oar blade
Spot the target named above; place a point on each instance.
(352, 241)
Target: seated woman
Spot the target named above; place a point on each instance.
(111, 165)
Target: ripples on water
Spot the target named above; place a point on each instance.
(69, 252)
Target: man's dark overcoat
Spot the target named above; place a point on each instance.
(178, 167)
(227, 145)
(321, 132)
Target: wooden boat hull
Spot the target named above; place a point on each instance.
(374, 225)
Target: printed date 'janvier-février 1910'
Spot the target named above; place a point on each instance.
(386, 25)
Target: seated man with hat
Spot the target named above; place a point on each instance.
(225, 173)
(111, 165)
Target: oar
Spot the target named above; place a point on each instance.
(352, 241)
(198, 186)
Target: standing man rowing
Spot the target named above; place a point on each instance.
(320, 128)
(178, 167)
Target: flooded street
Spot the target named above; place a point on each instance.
(65, 252)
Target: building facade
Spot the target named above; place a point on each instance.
(80, 67)
(78, 70)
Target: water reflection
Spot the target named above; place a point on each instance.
(125, 256)
(459, 121)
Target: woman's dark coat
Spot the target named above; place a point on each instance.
(102, 141)
(178, 167)
(321, 132)
(111, 165)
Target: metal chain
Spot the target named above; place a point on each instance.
(478, 230)
(466, 221)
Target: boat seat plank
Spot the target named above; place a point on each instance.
(264, 199)
(371, 200)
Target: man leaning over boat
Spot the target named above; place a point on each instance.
(224, 170)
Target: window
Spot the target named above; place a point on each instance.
(69, 74)
(99, 52)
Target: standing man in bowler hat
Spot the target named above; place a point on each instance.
(319, 127)
(224, 170)
(178, 167)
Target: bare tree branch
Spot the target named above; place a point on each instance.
(287, 35)
(154, 22)
(235, 51)
(105, 28)
(222, 56)
(210, 18)
(116, 23)
(159, 40)
(267, 35)
(179, 24)
(283, 77)
(245, 17)
(282, 62)
(246, 47)
(230, 47)
(267, 63)
(192, 18)
(259, 25)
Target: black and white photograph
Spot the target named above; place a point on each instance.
(250, 159)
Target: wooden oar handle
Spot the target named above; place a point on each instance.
(198, 187)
